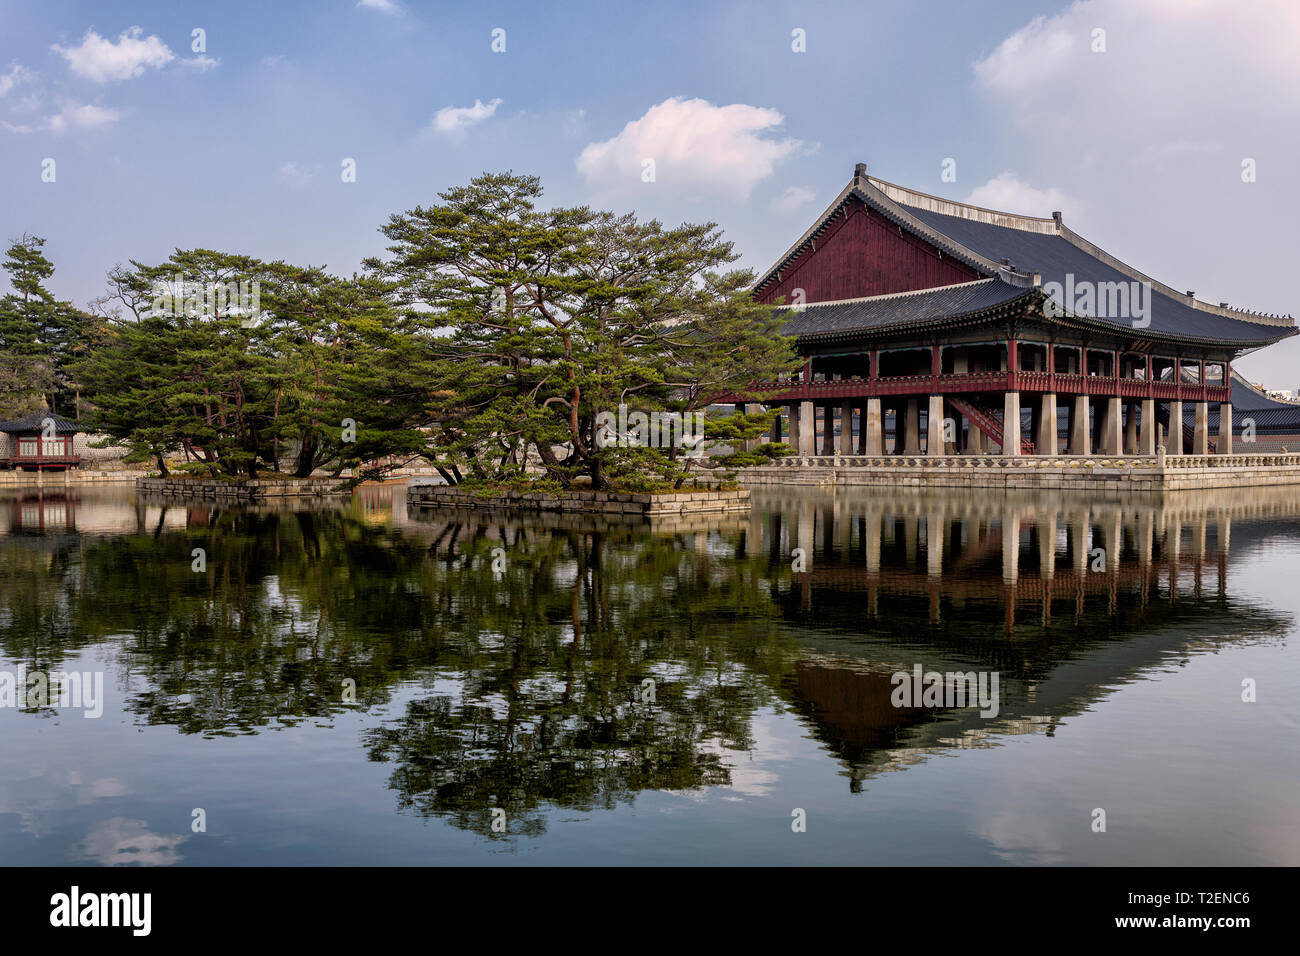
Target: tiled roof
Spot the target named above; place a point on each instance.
(1268, 414)
(35, 422)
(822, 319)
(1055, 257)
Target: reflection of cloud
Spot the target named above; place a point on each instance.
(1018, 836)
(34, 797)
(119, 841)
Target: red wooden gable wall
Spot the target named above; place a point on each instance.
(862, 253)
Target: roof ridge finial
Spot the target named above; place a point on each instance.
(860, 172)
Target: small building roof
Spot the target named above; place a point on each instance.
(35, 422)
(1268, 414)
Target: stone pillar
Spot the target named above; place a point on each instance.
(1045, 440)
(974, 439)
(1130, 428)
(1201, 437)
(934, 427)
(1080, 427)
(1175, 446)
(1109, 441)
(911, 427)
(828, 430)
(862, 429)
(1223, 445)
(1011, 424)
(776, 427)
(874, 428)
(806, 433)
(1147, 433)
(846, 428)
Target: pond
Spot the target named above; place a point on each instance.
(849, 676)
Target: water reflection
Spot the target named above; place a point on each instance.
(603, 661)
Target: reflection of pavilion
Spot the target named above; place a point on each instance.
(1020, 550)
(42, 514)
(1064, 597)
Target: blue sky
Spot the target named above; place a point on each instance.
(238, 147)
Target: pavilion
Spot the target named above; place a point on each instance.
(953, 329)
(39, 441)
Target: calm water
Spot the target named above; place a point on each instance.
(1120, 631)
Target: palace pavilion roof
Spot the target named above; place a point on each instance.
(35, 422)
(829, 320)
(1026, 250)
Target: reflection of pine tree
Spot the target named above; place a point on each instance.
(547, 658)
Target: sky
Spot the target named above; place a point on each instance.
(1166, 131)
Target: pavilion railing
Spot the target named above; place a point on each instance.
(1101, 386)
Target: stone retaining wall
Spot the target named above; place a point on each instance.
(255, 490)
(75, 476)
(1094, 473)
(584, 502)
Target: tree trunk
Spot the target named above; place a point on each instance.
(306, 463)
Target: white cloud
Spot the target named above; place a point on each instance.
(695, 146)
(793, 198)
(1154, 133)
(1165, 62)
(16, 74)
(103, 60)
(383, 6)
(296, 174)
(574, 120)
(87, 117)
(1006, 192)
(451, 120)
